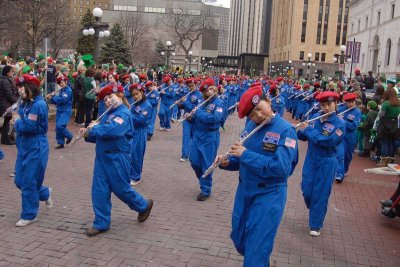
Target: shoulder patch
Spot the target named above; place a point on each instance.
(289, 142)
(119, 120)
(32, 117)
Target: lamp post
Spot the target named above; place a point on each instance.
(309, 63)
(169, 50)
(98, 29)
(379, 65)
(162, 53)
(290, 68)
(341, 59)
(190, 60)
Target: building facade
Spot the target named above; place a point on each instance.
(78, 7)
(249, 26)
(375, 23)
(307, 27)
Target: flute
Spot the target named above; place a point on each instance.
(274, 97)
(309, 111)
(11, 130)
(82, 134)
(10, 109)
(227, 154)
(314, 119)
(130, 106)
(180, 99)
(196, 108)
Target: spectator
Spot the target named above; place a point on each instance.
(358, 77)
(134, 77)
(150, 74)
(369, 82)
(79, 96)
(89, 85)
(51, 76)
(379, 91)
(366, 126)
(8, 96)
(391, 83)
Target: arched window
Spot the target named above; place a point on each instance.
(388, 50)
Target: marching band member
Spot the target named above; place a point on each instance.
(345, 151)
(113, 136)
(33, 149)
(63, 101)
(141, 112)
(278, 102)
(320, 165)
(126, 84)
(181, 91)
(206, 122)
(265, 161)
(167, 95)
(153, 97)
(191, 101)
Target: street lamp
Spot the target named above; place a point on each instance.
(290, 68)
(190, 60)
(169, 50)
(309, 63)
(98, 29)
(341, 59)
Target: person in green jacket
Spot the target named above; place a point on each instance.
(89, 85)
(366, 127)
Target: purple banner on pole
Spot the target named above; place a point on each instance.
(355, 48)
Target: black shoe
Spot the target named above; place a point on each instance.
(145, 214)
(389, 213)
(202, 197)
(149, 138)
(387, 203)
(93, 231)
(69, 141)
(59, 147)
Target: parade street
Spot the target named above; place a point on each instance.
(182, 231)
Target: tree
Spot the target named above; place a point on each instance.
(86, 43)
(116, 48)
(186, 28)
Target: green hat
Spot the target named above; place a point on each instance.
(391, 80)
(133, 70)
(120, 66)
(41, 57)
(382, 78)
(64, 69)
(26, 69)
(5, 54)
(372, 104)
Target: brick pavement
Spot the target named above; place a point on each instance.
(182, 231)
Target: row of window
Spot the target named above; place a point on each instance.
(378, 19)
(157, 10)
(318, 56)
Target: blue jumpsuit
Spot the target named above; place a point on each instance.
(224, 98)
(127, 93)
(270, 157)
(141, 113)
(320, 165)
(278, 105)
(346, 147)
(153, 97)
(181, 91)
(193, 99)
(233, 97)
(63, 101)
(32, 156)
(167, 99)
(113, 138)
(1, 154)
(206, 122)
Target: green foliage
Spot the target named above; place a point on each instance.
(86, 43)
(116, 48)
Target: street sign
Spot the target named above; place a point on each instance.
(353, 50)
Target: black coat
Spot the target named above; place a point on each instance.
(8, 93)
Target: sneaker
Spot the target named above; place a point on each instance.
(22, 222)
(145, 214)
(49, 201)
(59, 147)
(133, 182)
(389, 213)
(162, 129)
(12, 174)
(183, 159)
(93, 231)
(149, 138)
(167, 129)
(338, 180)
(387, 203)
(202, 197)
(173, 120)
(315, 232)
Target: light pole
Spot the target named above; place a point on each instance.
(290, 68)
(162, 53)
(169, 50)
(190, 60)
(98, 29)
(379, 65)
(309, 63)
(341, 59)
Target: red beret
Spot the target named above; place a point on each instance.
(26, 78)
(228, 79)
(191, 80)
(142, 76)
(306, 86)
(249, 100)
(110, 89)
(256, 84)
(61, 79)
(279, 79)
(221, 78)
(316, 94)
(272, 88)
(136, 86)
(317, 84)
(350, 97)
(125, 77)
(357, 71)
(205, 84)
(166, 79)
(327, 96)
(104, 75)
(180, 80)
(219, 87)
(74, 75)
(50, 60)
(148, 83)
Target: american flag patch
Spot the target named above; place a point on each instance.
(219, 109)
(32, 117)
(144, 112)
(118, 120)
(338, 132)
(289, 142)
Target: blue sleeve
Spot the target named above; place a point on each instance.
(30, 124)
(234, 164)
(116, 128)
(314, 136)
(60, 98)
(351, 125)
(210, 117)
(301, 136)
(143, 117)
(281, 163)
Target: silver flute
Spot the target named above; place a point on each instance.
(227, 154)
(11, 130)
(196, 108)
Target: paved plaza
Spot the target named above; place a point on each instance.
(182, 231)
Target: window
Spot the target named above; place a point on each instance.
(352, 28)
(388, 50)
(359, 25)
(362, 60)
(325, 37)
(339, 22)
(87, 2)
(301, 55)
(74, 9)
(99, 4)
(378, 19)
(317, 56)
(323, 57)
(366, 22)
(393, 8)
(344, 33)
(80, 10)
(398, 52)
(304, 23)
(154, 9)
(319, 27)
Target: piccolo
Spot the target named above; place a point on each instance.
(227, 154)
(290, 97)
(53, 93)
(309, 111)
(302, 94)
(196, 108)
(10, 110)
(307, 97)
(314, 119)
(82, 134)
(180, 99)
(233, 106)
(130, 106)
(11, 130)
(274, 97)
(163, 90)
(343, 112)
